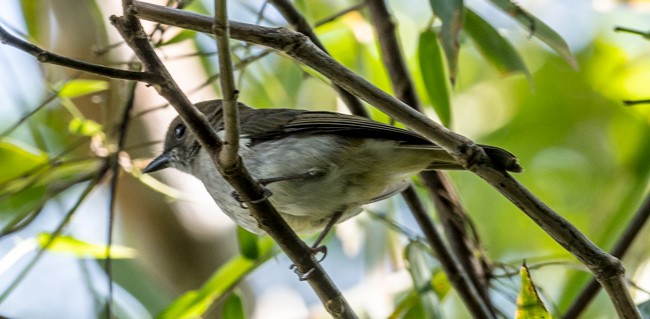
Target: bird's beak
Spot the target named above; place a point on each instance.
(158, 163)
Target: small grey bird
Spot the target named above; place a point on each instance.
(320, 167)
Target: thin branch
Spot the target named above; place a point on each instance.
(237, 176)
(122, 128)
(609, 270)
(456, 274)
(229, 153)
(47, 57)
(448, 206)
(341, 13)
(620, 249)
(298, 21)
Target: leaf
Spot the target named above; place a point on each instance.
(247, 244)
(529, 305)
(180, 37)
(194, 303)
(420, 269)
(82, 249)
(233, 307)
(450, 13)
(15, 207)
(538, 29)
(84, 127)
(440, 283)
(81, 87)
(495, 48)
(17, 160)
(434, 75)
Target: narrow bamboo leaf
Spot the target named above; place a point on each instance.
(538, 29)
(450, 13)
(195, 303)
(180, 37)
(529, 305)
(409, 307)
(420, 269)
(17, 207)
(82, 249)
(233, 307)
(247, 244)
(434, 75)
(495, 48)
(84, 127)
(80, 87)
(16, 160)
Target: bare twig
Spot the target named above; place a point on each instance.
(608, 270)
(229, 153)
(47, 57)
(237, 176)
(620, 249)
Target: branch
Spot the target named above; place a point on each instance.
(230, 152)
(237, 176)
(471, 284)
(608, 270)
(47, 57)
(620, 249)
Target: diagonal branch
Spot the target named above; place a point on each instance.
(474, 291)
(237, 176)
(620, 249)
(608, 270)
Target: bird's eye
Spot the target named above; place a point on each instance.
(179, 131)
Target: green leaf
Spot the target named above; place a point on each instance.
(495, 48)
(529, 305)
(538, 29)
(409, 307)
(420, 267)
(81, 87)
(450, 13)
(440, 283)
(247, 244)
(195, 303)
(233, 307)
(434, 75)
(180, 37)
(17, 160)
(17, 206)
(81, 249)
(84, 127)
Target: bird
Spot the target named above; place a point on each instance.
(320, 167)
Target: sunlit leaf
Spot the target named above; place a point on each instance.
(233, 307)
(494, 47)
(529, 305)
(17, 160)
(440, 283)
(247, 243)
(82, 249)
(434, 75)
(196, 302)
(450, 13)
(84, 127)
(538, 29)
(409, 307)
(81, 87)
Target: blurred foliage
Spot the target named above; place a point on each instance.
(584, 153)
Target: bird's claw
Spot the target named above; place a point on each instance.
(242, 202)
